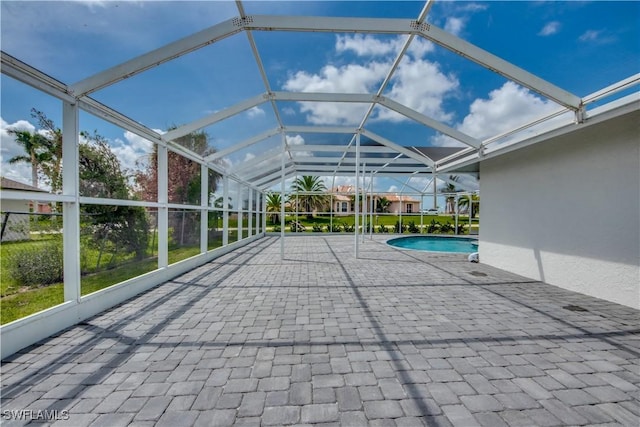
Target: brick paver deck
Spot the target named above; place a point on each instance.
(393, 338)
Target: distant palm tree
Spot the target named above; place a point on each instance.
(274, 203)
(463, 202)
(450, 188)
(34, 146)
(383, 205)
(310, 195)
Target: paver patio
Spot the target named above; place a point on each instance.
(392, 338)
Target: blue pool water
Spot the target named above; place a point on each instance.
(436, 244)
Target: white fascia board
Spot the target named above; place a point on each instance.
(330, 24)
(398, 148)
(614, 88)
(320, 129)
(216, 117)
(156, 57)
(427, 121)
(33, 77)
(98, 109)
(323, 97)
(500, 66)
(244, 144)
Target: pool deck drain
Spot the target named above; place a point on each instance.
(393, 338)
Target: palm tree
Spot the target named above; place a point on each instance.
(383, 205)
(463, 202)
(274, 203)
(35, 149)
(310, 195)
(450, 188)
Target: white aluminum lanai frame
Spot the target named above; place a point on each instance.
(277, 165)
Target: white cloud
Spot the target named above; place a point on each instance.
(350, 78)
(597, 37)
(454, 25)
(131, 150)
(9, 148)
(550, 28)
(422, 86)
(506, 108)
(255, 112)
(417, 83)
(368, 45)
(295, 140)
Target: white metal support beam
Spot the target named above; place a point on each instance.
(320, 129)
(156, 57)
(204, 212)
(323, 97)
(71, 210)
(163, 209)
(244, 144)
(24, 73)
(330, 24)
(399, 148)
(427, 121)
(216, 117)
(499, 65)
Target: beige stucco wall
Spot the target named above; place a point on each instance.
(567, 211)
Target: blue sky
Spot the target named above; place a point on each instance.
(579, 46)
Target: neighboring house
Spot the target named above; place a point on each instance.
(343, 201)
(404, 204)
(14, 214)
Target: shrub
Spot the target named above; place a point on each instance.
(39, 265)
(446, 228)
(317, 228)
(348, 228)
(277, 228)
(413, 228)
(383, 229)
(335, 228)
(433, 226)
(461, 228)
(397, 228)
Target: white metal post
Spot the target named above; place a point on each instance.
(239, 211)
(264, 212)
(163, 208)
(421, 212)
(225, 210)
(435, 191)
(71, 210)
(282, 177)
(455, 200)
(357, 195)
(204, 212)
(250, 214)
(371, 206)
(364, 202)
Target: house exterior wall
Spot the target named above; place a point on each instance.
(395, 207)
(566, 211)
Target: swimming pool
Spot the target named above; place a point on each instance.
(436, 244)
